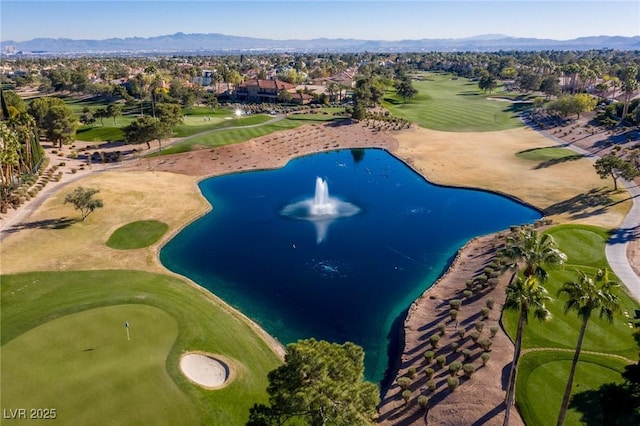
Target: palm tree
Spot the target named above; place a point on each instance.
(629, 87)
(535, 250)
(523, 295)
(584, 296)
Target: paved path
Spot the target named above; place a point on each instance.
(616, 248)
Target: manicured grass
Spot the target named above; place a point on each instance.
(83, 365)
(97, 133)
(542, 377)
(584, 246)
(32, 300)
(231, 136)
(136, 235)
(184, 130)
(545, 154)
(455, 105)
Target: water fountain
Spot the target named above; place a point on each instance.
(321, 210)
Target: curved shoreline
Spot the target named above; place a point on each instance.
(383, 141)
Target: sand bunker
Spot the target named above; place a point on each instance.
(204, 370)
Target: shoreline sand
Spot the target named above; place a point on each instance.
(276, 150)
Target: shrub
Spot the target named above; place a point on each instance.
(428, 356)
(475, 334)
(453, 383)
(429, 372)
(461, 332)
(494, 330)
(441, 329)
(455, 346)
(467, 293)
(485, 344)
(479, 325)
(468, 369)
(455, 303)
(403, 382)
(423, 401)
(469, 284)
(466, 353)
(484, 312)
(454, 367)
(485, 357)
(493, 282)
(406, 395)
(453, 314)
(434, 340)
(431, 385)
(490, 302)
(440, 360)
(411, 373)
(488, 271)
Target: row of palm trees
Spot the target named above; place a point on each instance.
(526, 293)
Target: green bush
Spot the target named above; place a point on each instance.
(441, 329)
(467, 293)
(455, 346)
(429, 372)
(434, 339)
(461, 332)
(469, 284)
(485, 357)
(466, 353)
(455, 303)
(485, 344)
(475, 334)
(453, 313)
(440, 360)
(406, 395)
(411, 373)
(454, 367)
(494, 330)
(453, 383)
(484, 312)
(479, 325)
(403, 382)
(428, 356)
(423, 401)
(431, 385)
(468, 369)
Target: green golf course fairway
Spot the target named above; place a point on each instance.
(84, 359)
(64, 346)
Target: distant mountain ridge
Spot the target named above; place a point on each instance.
(221, 43)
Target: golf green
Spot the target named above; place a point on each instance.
(86, 360)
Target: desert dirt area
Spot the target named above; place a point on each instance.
(38, 236)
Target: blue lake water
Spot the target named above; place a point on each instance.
(347, 280)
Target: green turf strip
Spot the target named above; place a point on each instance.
(542, 377)
(454, 104)
(584, 246)
(136, 235)
(32, 300)
(83, 366)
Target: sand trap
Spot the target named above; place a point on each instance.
(204, 370)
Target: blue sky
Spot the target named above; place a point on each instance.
(305, 19)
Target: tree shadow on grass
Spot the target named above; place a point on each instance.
(554, 161)
(610, 404)
(60, 223)
(594, 198)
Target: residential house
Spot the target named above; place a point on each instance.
(261, 90)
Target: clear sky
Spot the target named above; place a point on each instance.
(305, 19)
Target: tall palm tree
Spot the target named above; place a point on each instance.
(535, 250)
(584, 296)
(523, 295)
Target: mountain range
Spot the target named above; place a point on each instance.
(220, 43)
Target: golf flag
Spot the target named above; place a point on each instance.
(126, 325)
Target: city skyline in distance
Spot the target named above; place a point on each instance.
(334, 19)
